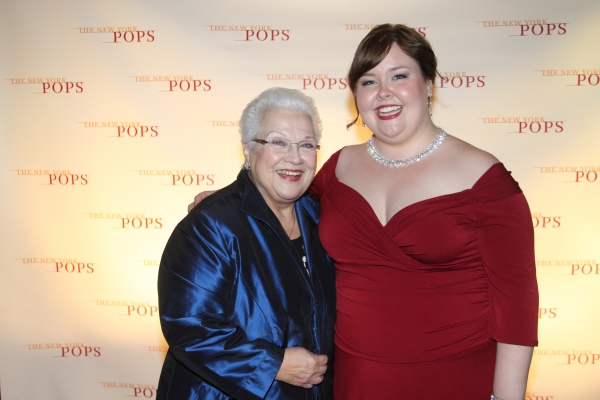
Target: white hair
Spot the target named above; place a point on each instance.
(277, 98)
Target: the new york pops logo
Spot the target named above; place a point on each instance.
(176, 83)
(542, 221)
(121, 34)
(547, 312)
(576, 174)
(129, 221)
(149, 263)
(130, 308)
(311, 81)
(159, 349)
(50, 85)
(528, 27)
(574, 77)
(140, 390)
(353, 27)
(179, 177)
(571, 357)
(67, 350)
(123, 129)
(253, 33)
(61, 265)
(527, 124)
(584, 267)
(224, 123)
(537, 396)
(55, 177)
(459, 80)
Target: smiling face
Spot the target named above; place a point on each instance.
(392, 96)
(282, 178)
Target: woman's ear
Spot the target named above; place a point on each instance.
(246, 150)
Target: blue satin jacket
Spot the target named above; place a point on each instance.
(233, 296)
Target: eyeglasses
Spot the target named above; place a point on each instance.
(280, 145)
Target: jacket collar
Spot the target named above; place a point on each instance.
(255, 205)
(307, 212)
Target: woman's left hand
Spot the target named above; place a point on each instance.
(199, 197)
(302, 368)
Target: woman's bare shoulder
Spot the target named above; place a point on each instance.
(466, 160)
(471, 155)
(350, 153)
(351, 161)
(352, 149)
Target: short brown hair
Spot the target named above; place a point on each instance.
(376, 46)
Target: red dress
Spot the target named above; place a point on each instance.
(422, 300)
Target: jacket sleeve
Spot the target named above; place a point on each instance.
(506, 242)
(197, 279)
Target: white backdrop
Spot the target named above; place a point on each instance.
(114, 114)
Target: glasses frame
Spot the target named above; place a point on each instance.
(264, 142)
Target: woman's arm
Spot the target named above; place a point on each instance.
(197, 282)
(512, 369)
(507, 247)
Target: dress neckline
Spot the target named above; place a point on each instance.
(417, 203)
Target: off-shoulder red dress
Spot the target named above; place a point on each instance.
(422, 301)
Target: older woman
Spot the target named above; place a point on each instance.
(433, 245)
(246, 292)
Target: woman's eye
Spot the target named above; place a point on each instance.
(399, 76)
(277, 142)
(307, 145)
(366, 83)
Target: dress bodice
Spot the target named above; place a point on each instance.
(434, 280)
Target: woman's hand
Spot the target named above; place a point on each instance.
(199, 197)
(302, 368)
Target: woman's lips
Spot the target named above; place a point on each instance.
(291, 175)
(388, 111)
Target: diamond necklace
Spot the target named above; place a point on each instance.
(388, 162)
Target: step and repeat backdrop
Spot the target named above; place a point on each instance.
(114, 114)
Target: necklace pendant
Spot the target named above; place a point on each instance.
(305, 266)
(388, 162)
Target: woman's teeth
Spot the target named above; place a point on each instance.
(389, 110)
(289, 173)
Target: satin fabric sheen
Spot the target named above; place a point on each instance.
(233, 296)
(424, 299)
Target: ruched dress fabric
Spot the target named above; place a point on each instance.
(422, 301)
(233, 294)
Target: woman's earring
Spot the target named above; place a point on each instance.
(363, 124)
(247, 166)
(429, 104)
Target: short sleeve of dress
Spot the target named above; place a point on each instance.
(505, 235)
(324, 176)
